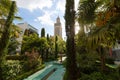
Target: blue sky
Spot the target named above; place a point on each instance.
(43, 13)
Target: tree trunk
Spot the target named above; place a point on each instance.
(71, 66)
(102, 57)
(5, 37)
(102, 63)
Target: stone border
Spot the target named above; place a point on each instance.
(51, 72)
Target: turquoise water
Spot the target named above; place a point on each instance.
(57, 75)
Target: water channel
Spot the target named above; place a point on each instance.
(52, 71)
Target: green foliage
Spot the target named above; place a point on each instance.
(15, 57)
(12, 68)
(109, 60)
(71, 66)
(56, 47)
(4, 7)
(100, 76)
(18, 70)
(87, 62)
(101, 37)
(33, 41)
(42, 32)
(30, 42)
(26, 74)
(51, 47)
(13, 44)
(47, 50)
(93, 76)
(61, 45)
(104, 34)
(32, 61)
(4, 41)
(86, 11)
(43, 43)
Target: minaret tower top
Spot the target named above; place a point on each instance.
(58, 20)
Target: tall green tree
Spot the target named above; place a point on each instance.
(51, 47)
(36, 43)
(43, 46)
(47, 50)
(43, 49)
(4, 11)
(42, 32)
(71, 66)
(6, 35)
(4, 8)
(30, 42)
(56, 47)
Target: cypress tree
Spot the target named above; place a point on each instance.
(71, 66)
(56, 47)
(42, 51)
(47, 51)
(42, 32)
(6, 36)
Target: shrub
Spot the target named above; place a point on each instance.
(93, 76)
(87, 62)
(109, 60)
(32, 61)
(26, 74)
(11, 69)
(15, 57)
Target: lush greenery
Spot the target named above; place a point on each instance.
(42, 32)
(71, 66)
(12, 68)
(5, 36)
(28, 73)
(101, 19)
(87, 52)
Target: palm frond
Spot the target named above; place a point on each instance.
(18, 18)
(86, 11)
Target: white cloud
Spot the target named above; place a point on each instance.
(61, 5)
(46, 18)
(34, 4)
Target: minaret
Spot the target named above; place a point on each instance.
(58, 28)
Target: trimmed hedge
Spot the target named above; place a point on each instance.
(109, 60)
(15, 57)
(26, 74)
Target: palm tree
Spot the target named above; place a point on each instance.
(4, 8)
(103, 34)
(86, 13)
(6, 36)
(4, 11)
(71, 66)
